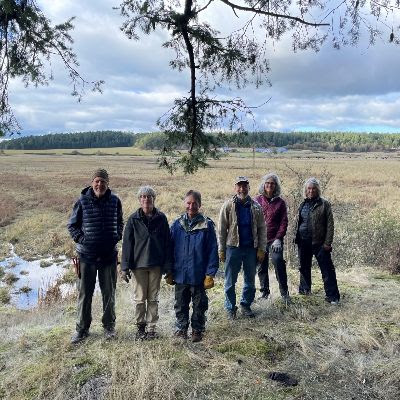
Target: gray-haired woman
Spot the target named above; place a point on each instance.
(314, 236)
(275, 216)
(146, 251)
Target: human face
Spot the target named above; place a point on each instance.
(242, 190)
(99, 186)
(269, 187)
(192, 206)
(147, 203)
(311, 191)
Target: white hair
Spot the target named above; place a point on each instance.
(312, 181)
(146, 190)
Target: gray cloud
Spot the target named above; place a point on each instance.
(351, 89)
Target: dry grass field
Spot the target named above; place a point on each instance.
(347, 352)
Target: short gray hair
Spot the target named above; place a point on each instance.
(275, 177)
(312, 181)
(146, 190)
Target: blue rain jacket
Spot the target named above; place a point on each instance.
(195, 250)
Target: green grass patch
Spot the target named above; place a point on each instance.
(86, 368)
(4, 295)
(10, 278)
(252, 347)
(69, 276)
(45, 264)
(387, 277)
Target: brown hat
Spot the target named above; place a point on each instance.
(101, 173)
(241, 179)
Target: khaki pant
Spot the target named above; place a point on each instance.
(146, 286)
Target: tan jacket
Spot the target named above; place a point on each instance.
(228, 231)
(321, 222)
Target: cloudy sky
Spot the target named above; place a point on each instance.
(354, 89)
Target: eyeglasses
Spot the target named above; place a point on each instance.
(146, 196)
(270, 183)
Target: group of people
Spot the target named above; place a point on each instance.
(188, 252)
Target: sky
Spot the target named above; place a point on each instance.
(354, 89)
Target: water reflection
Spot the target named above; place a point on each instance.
(32, 275)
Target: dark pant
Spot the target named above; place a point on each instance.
(280, 271)
(107, 280)
(183, 294)
(324, 259)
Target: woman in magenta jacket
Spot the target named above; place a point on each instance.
(276, 220)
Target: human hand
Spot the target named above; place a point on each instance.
(221, 256)
(126, 275)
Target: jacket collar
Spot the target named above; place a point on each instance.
(197, 223)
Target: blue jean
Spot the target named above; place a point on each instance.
(235, 257)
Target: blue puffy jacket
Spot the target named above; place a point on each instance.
(195, 250)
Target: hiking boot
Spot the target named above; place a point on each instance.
(334, 302)
(109, 333)
(247, 311)
(79, 336)
(264, 296)
(197, 336)
(152, 335)
(181, 334)
(141, 332)
(231, 314)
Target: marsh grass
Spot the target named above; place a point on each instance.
(344, 352)
(10, 278)
(4, 295)
(336, 353)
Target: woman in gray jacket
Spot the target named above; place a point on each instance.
(146, 252)
(314, 236)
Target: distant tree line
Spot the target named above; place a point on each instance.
(80, 140)
(327, 141)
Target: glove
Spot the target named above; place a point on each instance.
(208, 282)
(169, 279)
(126, 275)
(222, 256)
(260, 255)
(276, 246)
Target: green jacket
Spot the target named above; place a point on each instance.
(321, 223)
(228, 231)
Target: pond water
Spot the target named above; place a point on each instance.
(32, 275)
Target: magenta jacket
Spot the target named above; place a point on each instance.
(275, 216)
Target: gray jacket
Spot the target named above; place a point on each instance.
(147, 243)
(228, 231)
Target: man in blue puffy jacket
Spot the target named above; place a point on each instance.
(195, 264)
(96, 226)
